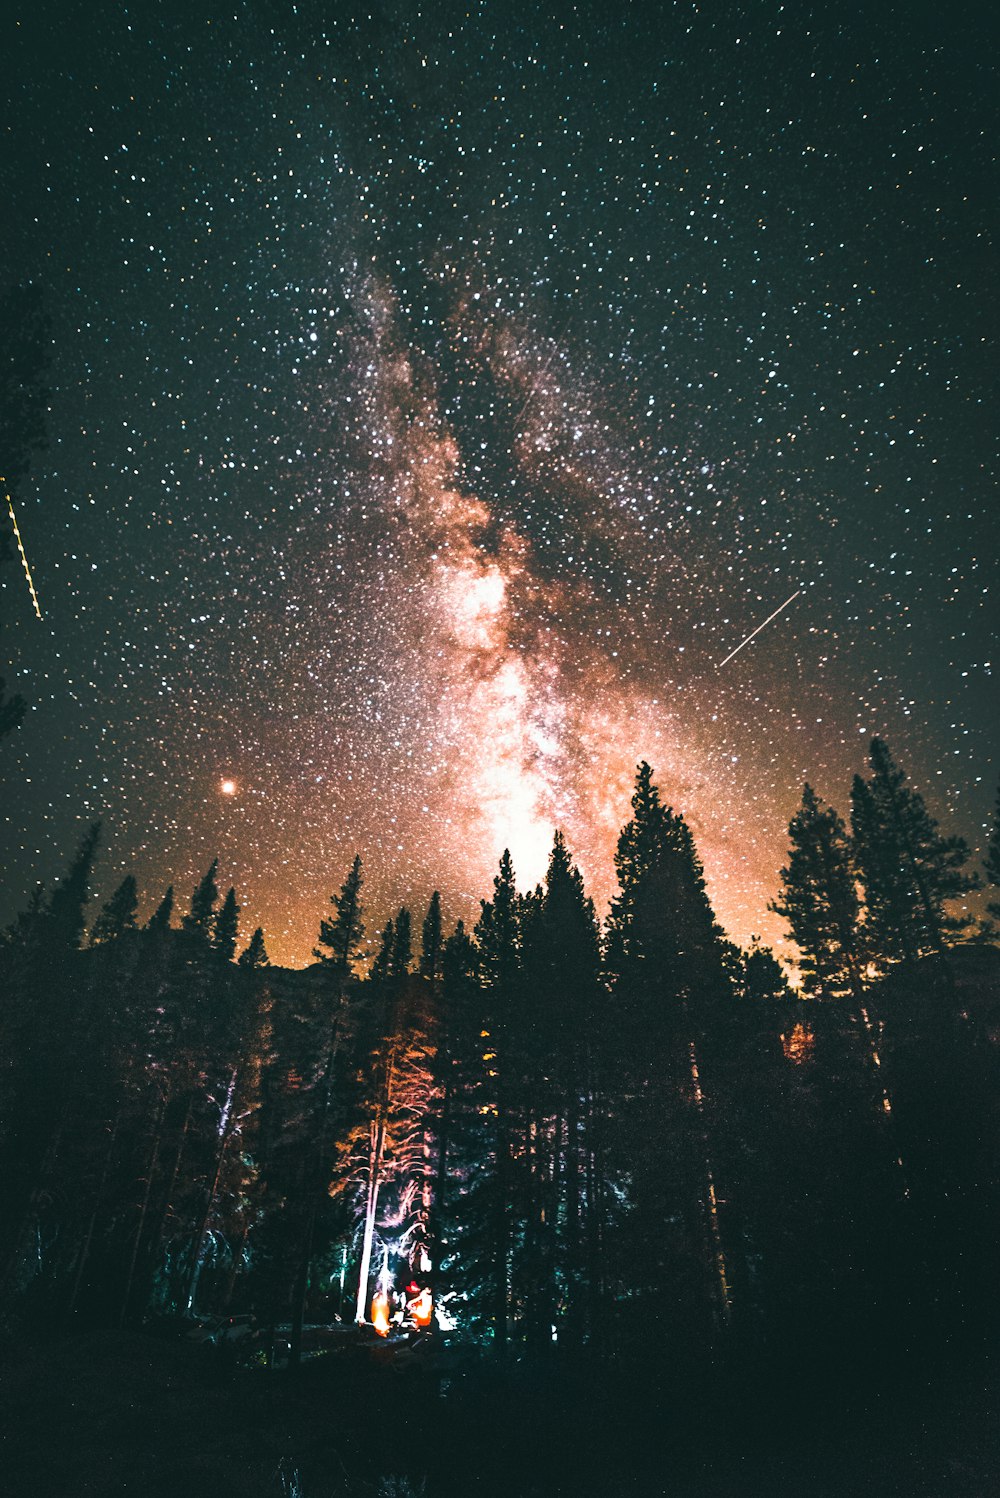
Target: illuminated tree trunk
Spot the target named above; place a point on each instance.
(375, 1157)
(709, 1202)
(201, 1237)
(439, 1189)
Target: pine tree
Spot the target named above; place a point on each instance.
(64, 919)
(46, 1061)
(255, 955)
(554, 1064)
(402, 946)
(667, 962)
(200, 919)
(498, 938)
(662, 933)
(909, 871)
(160, 919)
(819, 899)
(343, 935)
(118, 915)
(498, 934)
(459, 1043)
(763, 978)
(226, 928)
(382, 963)
(432, 950)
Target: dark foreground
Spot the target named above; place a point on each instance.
(123, 1413)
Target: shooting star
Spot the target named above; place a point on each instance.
(758, 629)
(536, 382)
(24, 559)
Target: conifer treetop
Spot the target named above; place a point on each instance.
(342, 937)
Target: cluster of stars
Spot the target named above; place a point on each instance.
(439, 399)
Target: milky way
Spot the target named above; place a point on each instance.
(438, 400)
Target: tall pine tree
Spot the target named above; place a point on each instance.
(200, 920)
(255, 955)
(118, 915)
(819, 899)
(431, 947)
(340, 939)
(225, 928)
(910, 872)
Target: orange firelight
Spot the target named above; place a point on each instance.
(421, 1308)
(380, 1313)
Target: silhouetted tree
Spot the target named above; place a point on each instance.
(160, 919)
(381, 968)
(819, 899)
(226, 928)
(498, 940)
(763, 977)
(909, 871)
(432, 949)
(64, 919)
(255, 955)
(118, 915)
(200, 920)
(402, 945)
(667, 962)
(342, 936)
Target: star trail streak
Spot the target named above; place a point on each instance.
(754, 633)
(24, 560)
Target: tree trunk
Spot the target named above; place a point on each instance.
(710, 1203)
(234, 1271)
(150, 1173)
(375, 1155)
(301, 1288)
(225, 1134)
(45, 1170)
(439, 1193)
(98, 1198)
(161, 1226)
(501, 1229)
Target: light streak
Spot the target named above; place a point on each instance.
(536, 382)
(24, 559)
(758, 629)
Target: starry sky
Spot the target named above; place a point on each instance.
(440, 393)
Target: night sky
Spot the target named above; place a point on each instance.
(440, 394)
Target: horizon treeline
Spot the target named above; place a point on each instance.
(570, 1134)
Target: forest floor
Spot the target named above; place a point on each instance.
(108, 1413)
